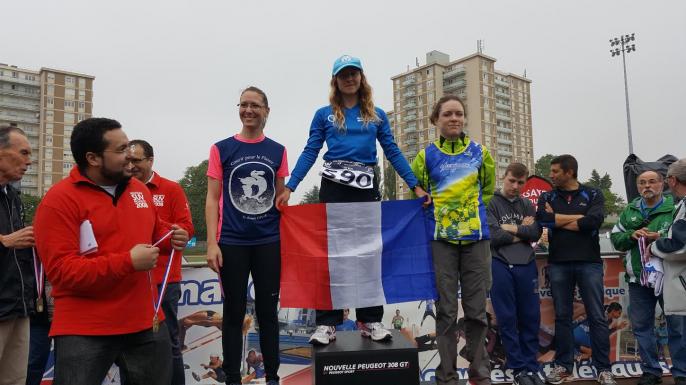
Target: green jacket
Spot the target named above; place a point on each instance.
(629, 221)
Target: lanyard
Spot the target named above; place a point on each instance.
(645, 211)
(156, 304)
(40, 281)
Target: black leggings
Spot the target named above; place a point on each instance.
(332, 192)
(264, 263)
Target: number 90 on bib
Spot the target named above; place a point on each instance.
(353, 174)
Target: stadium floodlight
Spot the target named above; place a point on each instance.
(624, 41)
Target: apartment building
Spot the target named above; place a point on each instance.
(46, 104)
(498, 108)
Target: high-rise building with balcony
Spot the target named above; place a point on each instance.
(46, 104)
(498, 108)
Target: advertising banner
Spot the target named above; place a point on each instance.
(200, 321)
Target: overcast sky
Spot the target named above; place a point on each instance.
(171, 71)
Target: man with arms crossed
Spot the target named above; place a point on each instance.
(514, 292)
(573, 214)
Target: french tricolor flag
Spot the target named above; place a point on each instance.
(353, 255)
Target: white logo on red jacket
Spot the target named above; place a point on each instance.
(139, 200)
(158, 200)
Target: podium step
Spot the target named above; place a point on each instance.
(353, 359)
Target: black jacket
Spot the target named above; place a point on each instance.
(568, 245)
(503, 211)
(17, 283)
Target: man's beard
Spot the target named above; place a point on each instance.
(648, 194)
(115, 177)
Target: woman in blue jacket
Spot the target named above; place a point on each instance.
(350, 125)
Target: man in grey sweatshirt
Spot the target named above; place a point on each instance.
(514, 293)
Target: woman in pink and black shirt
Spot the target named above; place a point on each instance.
(245, 174)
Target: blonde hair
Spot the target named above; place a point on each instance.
(364, 95)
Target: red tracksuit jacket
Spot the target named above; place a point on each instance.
(98, 293)
(172, 207)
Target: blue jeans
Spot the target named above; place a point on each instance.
(642, 301)
(515, 299)
(676, 329)
(170, 306)
(143, 358)
(588, 277)
(39, 351)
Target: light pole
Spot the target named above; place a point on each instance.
(627, 45)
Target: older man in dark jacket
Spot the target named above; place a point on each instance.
(17, 283)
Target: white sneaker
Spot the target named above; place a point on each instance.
(375, 330)
(323, 335)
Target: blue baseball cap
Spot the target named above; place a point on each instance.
(345, 61)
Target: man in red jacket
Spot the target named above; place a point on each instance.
(95, 231)
(172, 206)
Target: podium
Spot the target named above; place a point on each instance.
(353, 359)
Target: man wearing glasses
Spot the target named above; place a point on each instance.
(643, 221)
(172, 206)
(94, 232)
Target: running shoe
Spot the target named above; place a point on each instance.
(375, 330)
(323, 335)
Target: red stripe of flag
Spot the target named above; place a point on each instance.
(304, 257)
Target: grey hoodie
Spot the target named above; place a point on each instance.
(501, 211)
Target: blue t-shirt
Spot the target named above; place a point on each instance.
(356, 142)
(247, 171)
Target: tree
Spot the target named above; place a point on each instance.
(614, 204)
(389, 183)
(194, 183)
(311, 196)
(542, 166)
(30, 203)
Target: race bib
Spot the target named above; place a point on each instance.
(353, 174)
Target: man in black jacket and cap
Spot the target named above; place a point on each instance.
(17, 282)
(514, 293)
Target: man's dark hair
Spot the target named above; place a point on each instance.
(5, 131)
(88, 136)
(613, 306)
(147, 148)
(566, 162)
(517, 170)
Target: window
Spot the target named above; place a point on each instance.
(48, 128)
(48, 166)
(51, 90)
(69, 93)
(430, 84)
(82, 117)
(51, 77)
(69, 80)
(48, 153)
(14, 74)
(49, 116)
(48, 139)
(68, 118)
(51, 101)
(82, 95)
(82, 105)
(82, 83)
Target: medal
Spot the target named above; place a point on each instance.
(155, 324)
(39, 305)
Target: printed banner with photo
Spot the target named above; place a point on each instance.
(200, 321)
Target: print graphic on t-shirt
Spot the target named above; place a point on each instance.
(251, 186)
